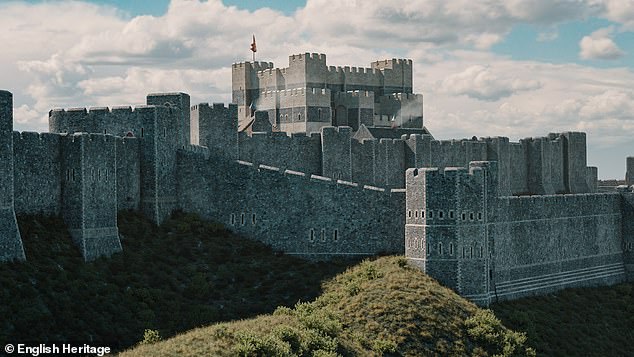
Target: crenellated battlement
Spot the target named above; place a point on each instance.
(344, 131)
(445, 175)
(391, 63)
(102, 110)
(316, 57)
(34, 138)
(255, 66)
(219, 107)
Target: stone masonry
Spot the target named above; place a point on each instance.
(351, 172)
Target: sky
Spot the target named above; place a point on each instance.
(514, 68)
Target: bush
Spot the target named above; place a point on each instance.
(150, 337)
(487, 330)
(383, 346)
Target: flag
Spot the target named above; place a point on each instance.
(253, 47)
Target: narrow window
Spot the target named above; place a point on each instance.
(463, 255)
(481, 251)
(336, 235)
(253, 219)
(299, 117)
(471, 252)
(409, 214)
(105, 131)
(73, 175)
(431, 214)
(439, 248)
(428, 253)
(98, 174)
(422, 213)
(471, 216)
(323, 235)
(479, 216)
(416, 214)
(233, 219)
(319, 113)
(451, 214)
(67, 174)
(450, 248)
(464, 216)
(142, 132)
(242, 221)
(440, 213)
(312, 235)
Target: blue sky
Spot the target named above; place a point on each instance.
(516, 68)
(159, 7)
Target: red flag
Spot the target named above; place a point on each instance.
(253, 47)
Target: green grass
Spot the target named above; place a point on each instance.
(576, 322)
(185, 274)
(380, 307)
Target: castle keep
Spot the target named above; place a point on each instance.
(308, 95)
(351, 172)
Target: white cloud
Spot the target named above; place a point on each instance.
(480, 82)
(71, 53)
(620, 11)
(599, 46)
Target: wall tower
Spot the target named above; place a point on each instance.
(446, 226)
(10, 242)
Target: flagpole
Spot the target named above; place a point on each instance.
(253, 48)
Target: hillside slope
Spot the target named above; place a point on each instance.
(185, 274)
(377, 307)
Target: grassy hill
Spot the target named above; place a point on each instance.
(380, 307)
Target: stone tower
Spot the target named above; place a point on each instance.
(10, 242)
(629, 173)
(89, 191)
(446, 226)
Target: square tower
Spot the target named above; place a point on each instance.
(10, 242)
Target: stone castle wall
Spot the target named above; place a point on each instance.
(298, 213)
(575, 240)
(327, 194)
(490, 247)
(544, 165)
(89, 193)
(37, 172)
(10, 241)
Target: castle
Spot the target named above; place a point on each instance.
(351, 172)
(308, 94)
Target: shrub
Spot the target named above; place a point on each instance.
(150, 337)
(487, 330)
(383, 346)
